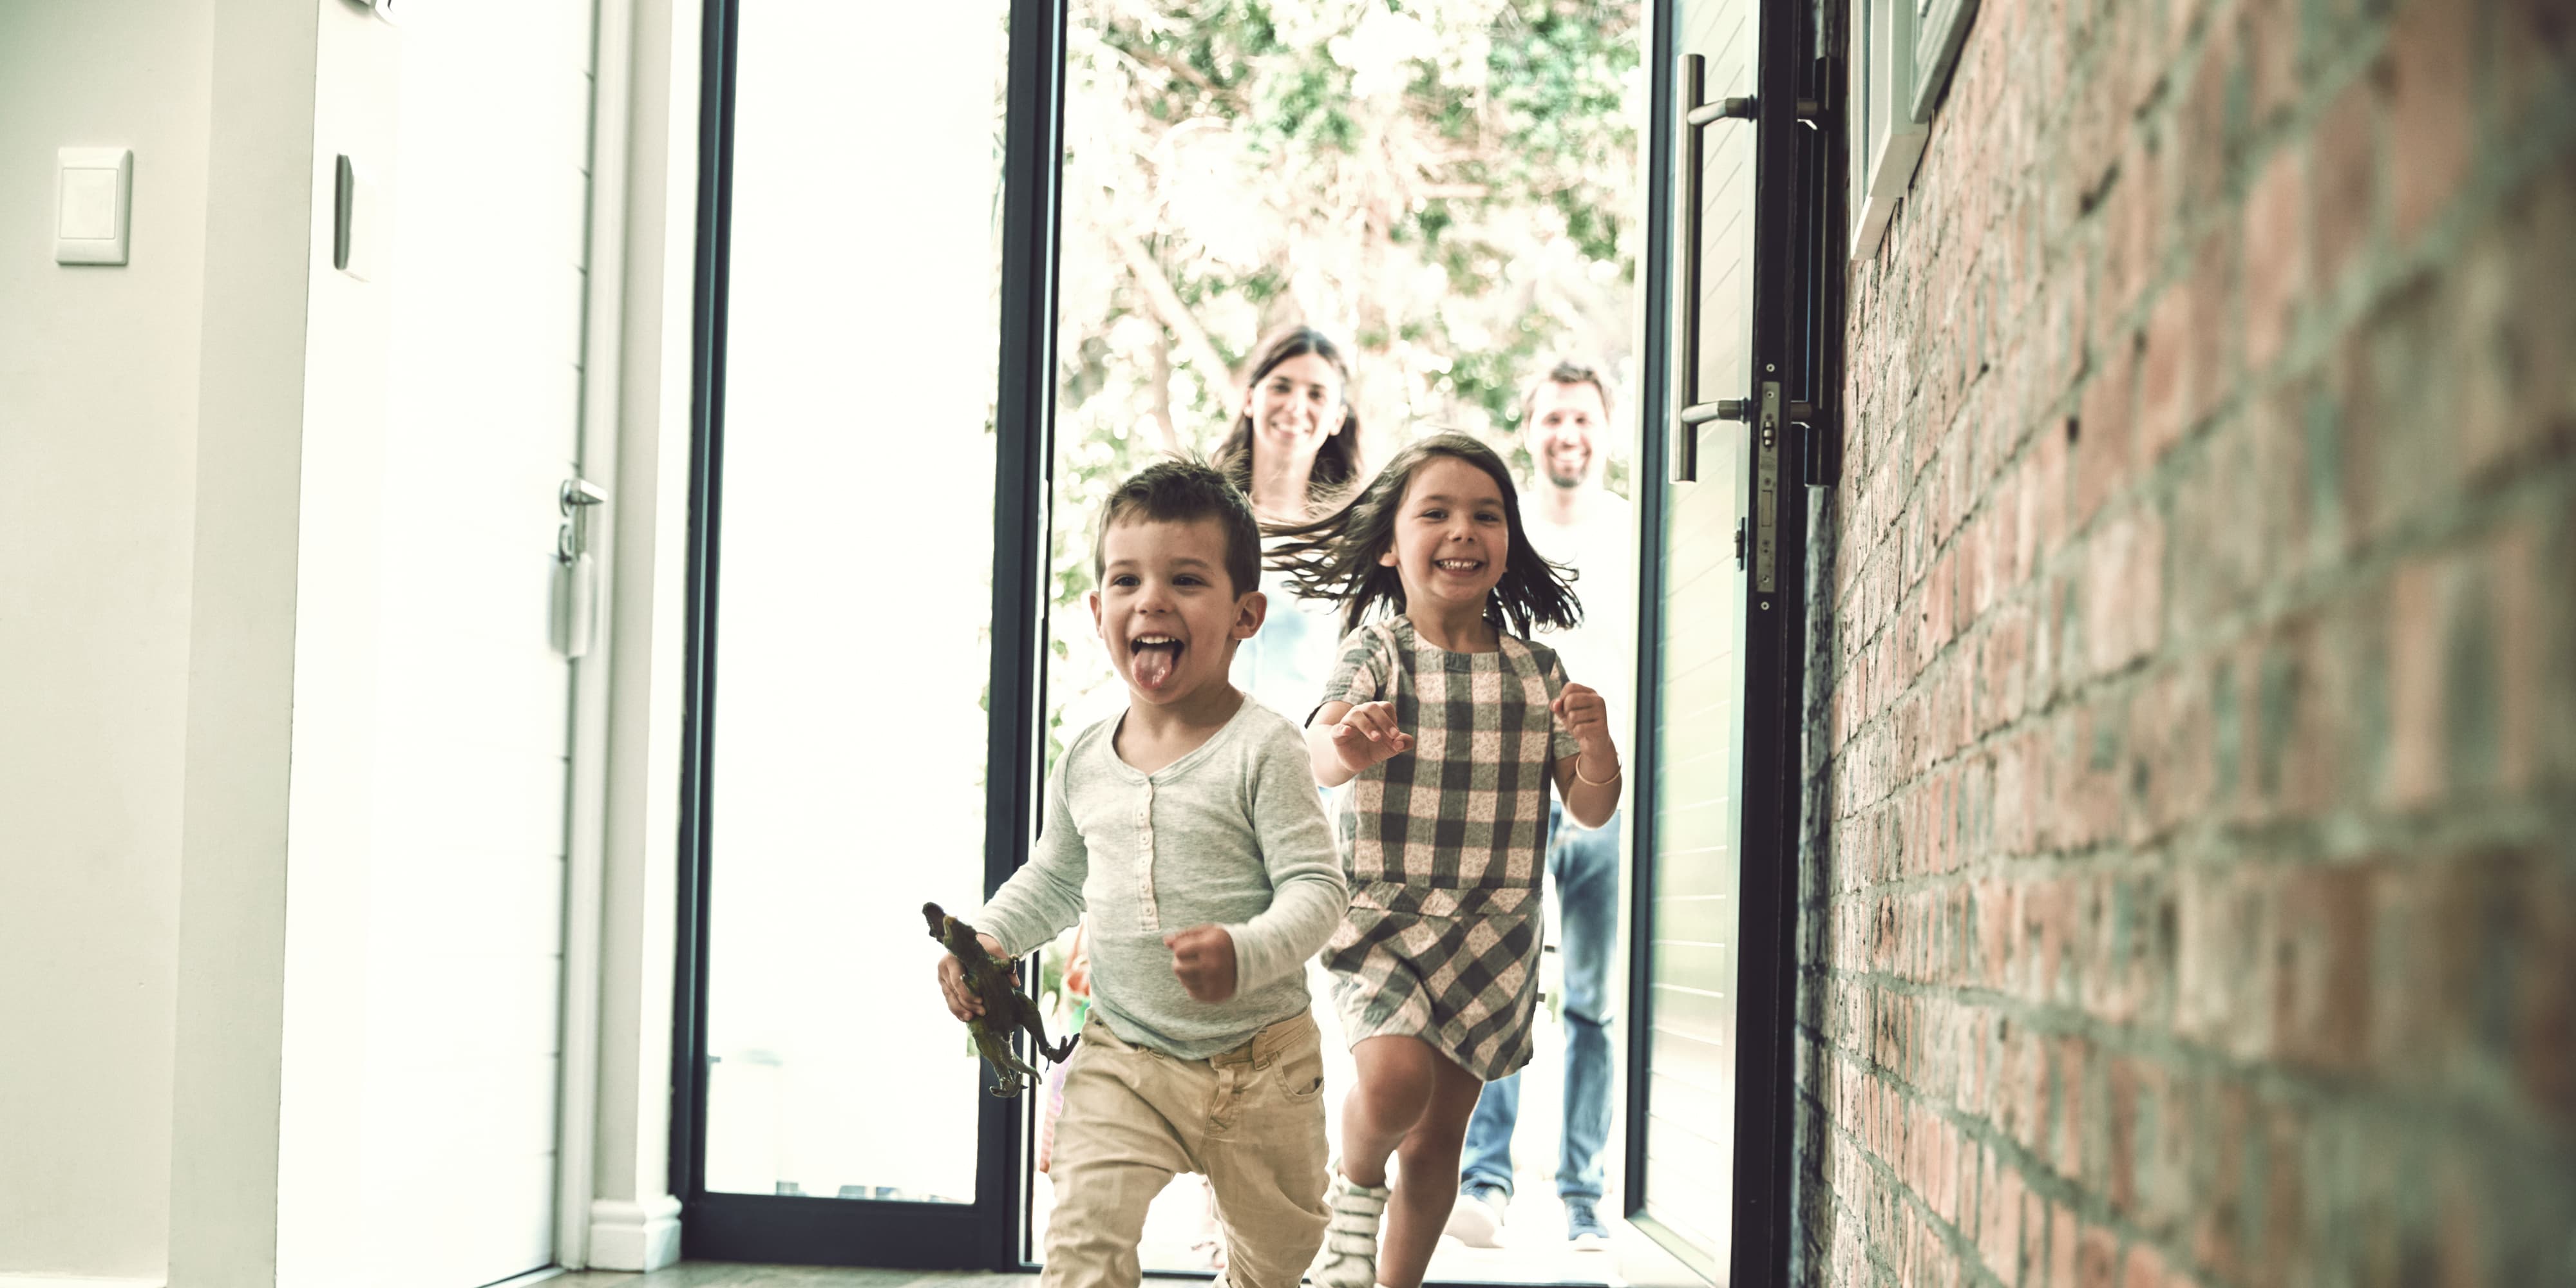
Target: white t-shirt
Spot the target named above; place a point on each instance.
(1602, 550)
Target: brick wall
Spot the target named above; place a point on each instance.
(2190, 894)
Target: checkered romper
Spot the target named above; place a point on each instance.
(1445, 846)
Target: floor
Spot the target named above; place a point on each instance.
(1634, 1261)
(721, 1274)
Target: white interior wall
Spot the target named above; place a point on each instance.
(98, 417)
(262, 206)
(155, 495)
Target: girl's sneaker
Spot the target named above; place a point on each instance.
(1348, 1258)
(1477, 1218)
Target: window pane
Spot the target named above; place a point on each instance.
(854, 596)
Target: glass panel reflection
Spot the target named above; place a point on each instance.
(855, 594)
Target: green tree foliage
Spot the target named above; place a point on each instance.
(1450, 187)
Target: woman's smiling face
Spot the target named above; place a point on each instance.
(1296, 405)
(1451, 536)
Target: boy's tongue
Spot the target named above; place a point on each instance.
(1152, 664)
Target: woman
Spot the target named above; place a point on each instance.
(1294, 450)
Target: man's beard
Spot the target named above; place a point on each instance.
(1556, 473)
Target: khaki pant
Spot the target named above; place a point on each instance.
(1251, 1120)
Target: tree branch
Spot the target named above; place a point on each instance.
(1166, 302)
(1165, 428)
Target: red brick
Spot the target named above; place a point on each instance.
(2430, 108)
(2124, 591)
(2534, 44)
(2062, 1240)
(2097, 1259)
(2164, 350)
(2215, 920)
(2269, 32)
(2275, 257)
(2217, 346)
(2517, 395)
(2323, 1006)
(2225, 924)
(2282, 1225)
(2132, 221)
(2504, 926)
(2144, 1269)
(2344, 181)
(1999, 1233)
(2198, 145)
(2219, 1240)
(2414, 765)
(2036, 1215)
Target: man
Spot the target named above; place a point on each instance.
(1571, 519)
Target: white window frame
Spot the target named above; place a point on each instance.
(1902, 52)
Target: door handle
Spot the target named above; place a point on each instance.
(576, 615)
(1697, 115)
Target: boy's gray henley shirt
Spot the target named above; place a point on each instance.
(1232, 834)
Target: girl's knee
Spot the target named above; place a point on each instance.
(1394, 1099)
(1431, 1149)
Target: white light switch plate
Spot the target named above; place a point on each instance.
(93, 199)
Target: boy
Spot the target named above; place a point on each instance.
(1187, 837)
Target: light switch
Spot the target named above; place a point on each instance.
(96, 188)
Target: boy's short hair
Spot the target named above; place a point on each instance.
(1186, 491)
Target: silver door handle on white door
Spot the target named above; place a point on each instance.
(576, 616)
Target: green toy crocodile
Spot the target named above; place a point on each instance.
(1006, 1009)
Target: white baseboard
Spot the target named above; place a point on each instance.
(12, 1279)
(626, 1235)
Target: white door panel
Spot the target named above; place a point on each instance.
(486, 286)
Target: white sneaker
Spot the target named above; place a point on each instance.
(1348, 1258)
(1476, 1219)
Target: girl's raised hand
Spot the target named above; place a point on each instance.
(1367, 735)
(1587, 717)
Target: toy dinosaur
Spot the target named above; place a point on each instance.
(1006, 1009)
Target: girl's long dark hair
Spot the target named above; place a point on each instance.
(1336, 557)
(1337, 459)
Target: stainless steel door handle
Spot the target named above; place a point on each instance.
(1698, 114)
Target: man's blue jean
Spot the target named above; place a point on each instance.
(1583, 863)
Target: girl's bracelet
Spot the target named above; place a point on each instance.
(1591, 782)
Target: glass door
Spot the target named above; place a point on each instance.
(860, 678)
(1436, 212)
(882, 518)
(1709, 1104)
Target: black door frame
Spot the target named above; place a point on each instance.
(1795, 292)
(1796, 334)
(988, 1233)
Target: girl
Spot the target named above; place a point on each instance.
(1451, 727)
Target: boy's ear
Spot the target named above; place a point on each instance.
(1249, 613)
(1092, 597)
